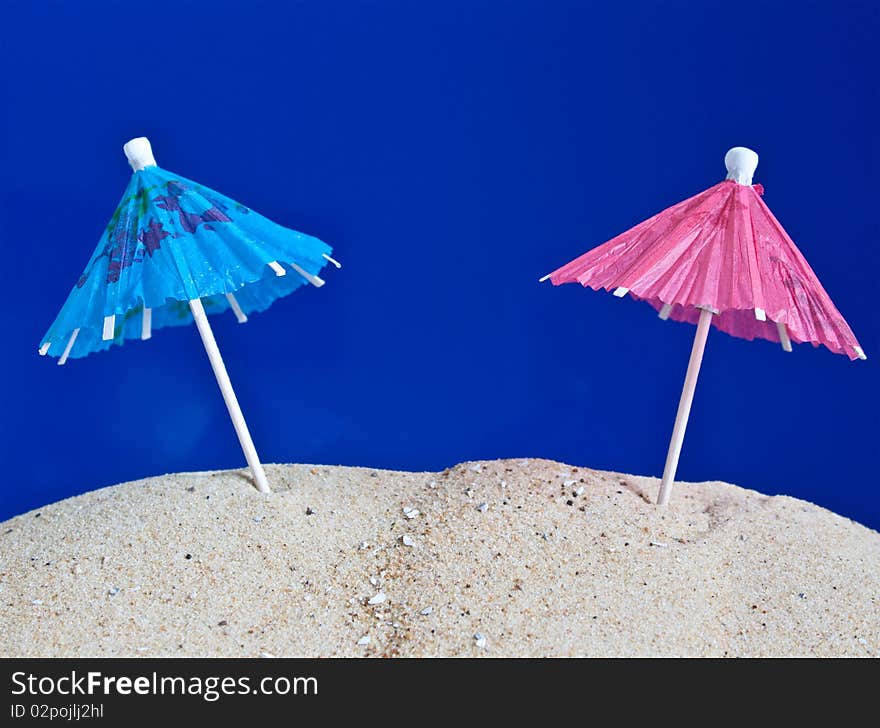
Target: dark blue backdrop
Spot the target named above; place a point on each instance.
(451, 153)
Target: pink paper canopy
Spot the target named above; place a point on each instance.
(722, 249)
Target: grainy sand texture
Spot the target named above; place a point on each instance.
(501, 558)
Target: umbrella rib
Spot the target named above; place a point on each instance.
(236, 309)
(314, 280)
(109, 326)
(783, 336)
(62, 360)
(147, 324)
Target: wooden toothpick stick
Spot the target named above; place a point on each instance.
(684, 406)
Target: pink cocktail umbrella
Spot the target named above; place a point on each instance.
(719, 259)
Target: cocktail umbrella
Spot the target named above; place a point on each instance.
(717, 259)
(173, 252)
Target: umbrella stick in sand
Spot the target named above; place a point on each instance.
(235, 413)
(684, 406)
(174, 252)
(718, 259)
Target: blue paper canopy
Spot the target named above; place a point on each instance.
(172, 240)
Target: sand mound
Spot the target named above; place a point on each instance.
(515, 557)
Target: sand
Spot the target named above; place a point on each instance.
(501, 558)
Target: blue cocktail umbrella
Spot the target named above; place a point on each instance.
(173, 252)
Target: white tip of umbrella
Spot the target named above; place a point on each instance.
(620, 291)
(276, 266)
(665, 310)
(544, 278)
(760, 314)
(109, 326)
(62, 360)
(139, 153)
(859, 353)
(741, 164)
(331, 260)
(44, 349)
(236, 309)
(314, 280)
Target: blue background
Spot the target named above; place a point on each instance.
(451, 154)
